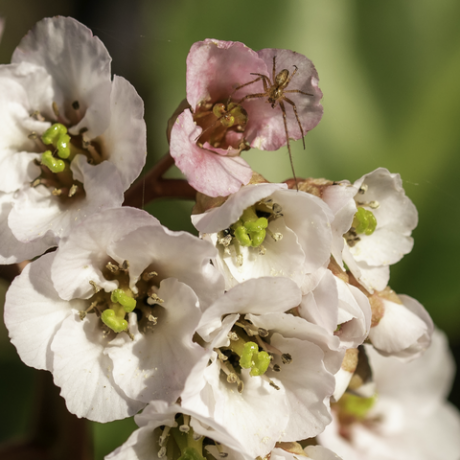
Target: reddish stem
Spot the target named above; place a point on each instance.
(152, 186)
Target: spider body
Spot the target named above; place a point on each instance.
(275, 91)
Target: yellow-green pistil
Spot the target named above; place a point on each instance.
(250, 356)
(249, 230)
(364, 221)
(190, 447)
(56, 136)
(355, 406)
(114, 317)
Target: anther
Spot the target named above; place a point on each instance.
(57, 192)
(162, 452)
(276, 368)
(82, 313)
(148, 276)
(196, 436)
(263, 332)
(233, 336)
(363, 189)
(95, 287)
(185, 428)
(262, 250)
(277, 209)
(36, 182)
(225, 241)
(286, 358)
(222, 454)
(112, 267)
(239, 260)
(125, 265)
(33, 135)
(277, 236)
(72, 191)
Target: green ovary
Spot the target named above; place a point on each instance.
(356, 406)
(250, 229)
(112, 320)
(121, 297)
(364, 221)
(252, 359)
(57, 136)
(52, 163)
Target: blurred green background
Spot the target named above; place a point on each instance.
(390, 74)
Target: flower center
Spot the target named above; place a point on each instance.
(244, 353)
(353, 409)
(364, 222)
(182, 443)
(251, 229)
(112, 307)
(59, 149)
(217, 120)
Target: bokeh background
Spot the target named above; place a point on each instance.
(390, 74)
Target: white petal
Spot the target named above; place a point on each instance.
(217, 219)
(125, 139)
(34, 312)
(11, 249)
(81, 257)
(156, 365)
(79, 64)
(404, 331)
(171, 254)
(84, 372)
(259, 296)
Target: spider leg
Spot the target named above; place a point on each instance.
(274, 68)
(283, 109)
(286, 83)
(265, 80)
(297, 91)
(297, 118)
(250, 82)
(252, 96)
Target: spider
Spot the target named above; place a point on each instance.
(275, 92)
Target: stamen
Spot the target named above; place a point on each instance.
(363, 189)
(83, 313)
(286, 358)
(57, 192)
(162, 452)
(185, 428)
(112, 267)
(262, 250)
(148, 276)
(222, 454)
(233, 336)
(73, 190)
(164, 435)
(196, 436)
(125, 265)
(277, 236)
(95, 287)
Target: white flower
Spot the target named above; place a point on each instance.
(401, 326)
(268, 377)
(340, 308)
(376, 219)
(294, 238)
(118, 267)
(171, 430)
(71, 139)
(407, 419)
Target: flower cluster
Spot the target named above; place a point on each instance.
(274, 334)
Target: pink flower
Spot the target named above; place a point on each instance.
(228, 87)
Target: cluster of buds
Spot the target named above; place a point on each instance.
(274, 334)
